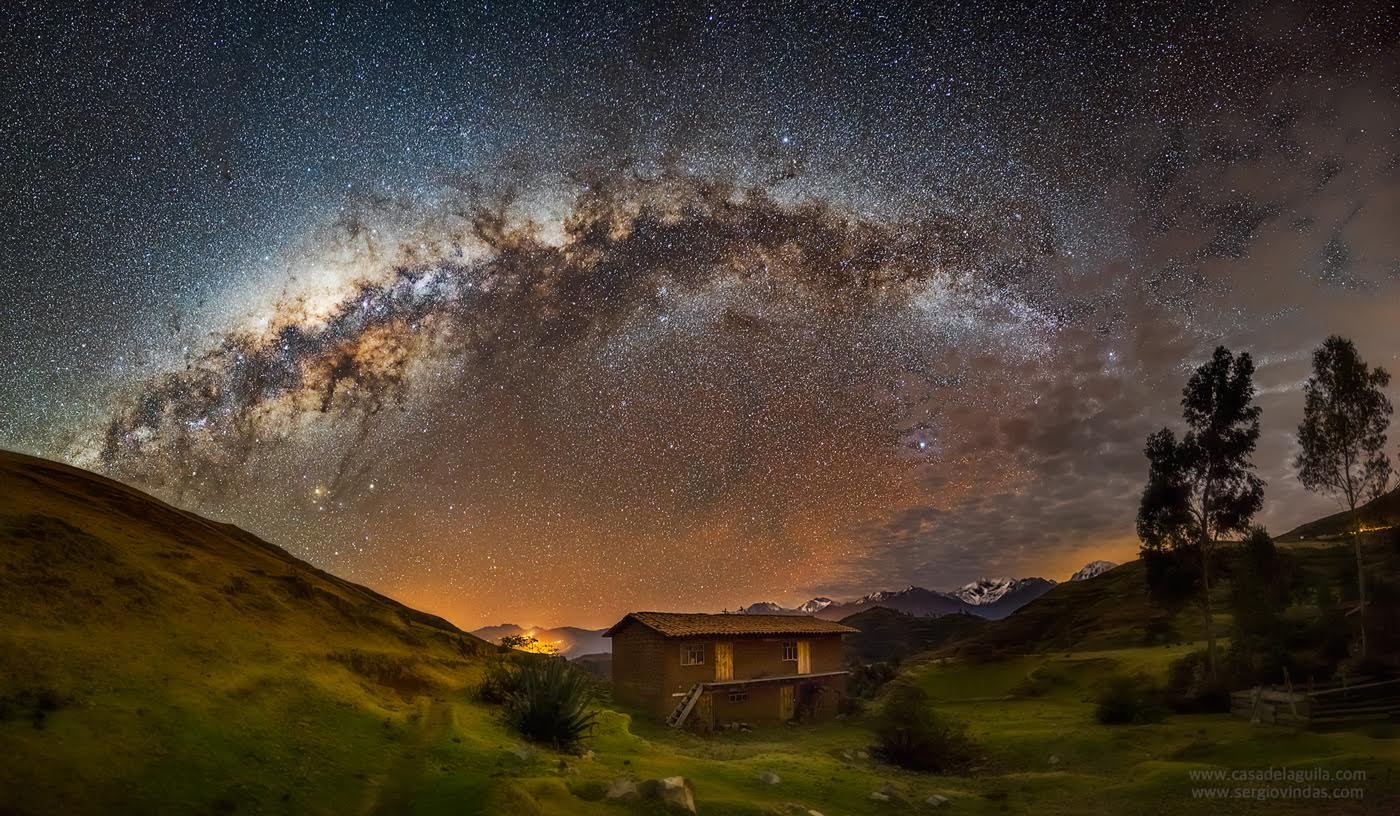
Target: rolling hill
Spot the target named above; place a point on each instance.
(157, 661)
(1379, 514)
(886, 634)
(1112, 610)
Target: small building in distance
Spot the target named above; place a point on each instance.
(704, 670)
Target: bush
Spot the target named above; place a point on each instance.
(867, 679)
(912, 735)
(1159, 631)
(1190, 689)
(33, 704)
(1130, 699)
(547, 701)
(1042, 681)
(498, 683)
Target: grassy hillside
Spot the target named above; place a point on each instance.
(889, 635)
(152, 657)
(1380, 514)
(1113, 611)
(1107, 611)
(1045, 753)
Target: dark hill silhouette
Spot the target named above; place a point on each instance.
(1377, 514)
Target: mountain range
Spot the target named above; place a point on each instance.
(991, 598)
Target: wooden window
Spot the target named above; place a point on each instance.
(693, 654)
(790, 650)
(738, 696)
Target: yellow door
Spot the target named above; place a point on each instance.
(787, 702)
(724, 661)
(804, 657)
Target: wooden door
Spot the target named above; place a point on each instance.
(705, 712)
(724, 661)
(787, 702)
(804, 657)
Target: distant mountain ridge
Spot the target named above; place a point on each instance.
(571, 641)
(987, 598)
(990, 598)
(1093, 569)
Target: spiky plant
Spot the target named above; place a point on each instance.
(549, 703)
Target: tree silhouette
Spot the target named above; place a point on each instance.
(1203, 485)
(1342, 439)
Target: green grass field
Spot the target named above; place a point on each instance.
(328, 742)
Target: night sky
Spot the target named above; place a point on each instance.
(543, 312)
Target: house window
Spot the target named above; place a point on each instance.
(790, 650)
(738, 696)
(693, 654)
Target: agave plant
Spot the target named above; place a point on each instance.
(549, 702)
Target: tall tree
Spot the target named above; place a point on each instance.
(1203, 486)
(1342, 439)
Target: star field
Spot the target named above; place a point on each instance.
(545, 311)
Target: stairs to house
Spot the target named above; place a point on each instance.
(687, 704)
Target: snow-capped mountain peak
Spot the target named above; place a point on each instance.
(762, 608)
(985, 590)
(1092, 569)
(815, 605)
(886, 594)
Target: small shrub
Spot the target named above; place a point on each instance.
(1131, 699)
(548, 702)
(1042, 681)
(1191, 691)
(498, 683)
(912, 735)
(34, 704)
(808, 700)
(867, 679)
(1159, 631)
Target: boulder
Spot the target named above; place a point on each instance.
(936, 801)
(1054, 759)
(674, 792)
(622, 788)
(879, 796)
(769, 778)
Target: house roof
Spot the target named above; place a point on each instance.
(695, 624)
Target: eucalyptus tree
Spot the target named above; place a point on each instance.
(1202, 486)
(1342, 439)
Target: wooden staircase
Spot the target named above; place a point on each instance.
(681, 712)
